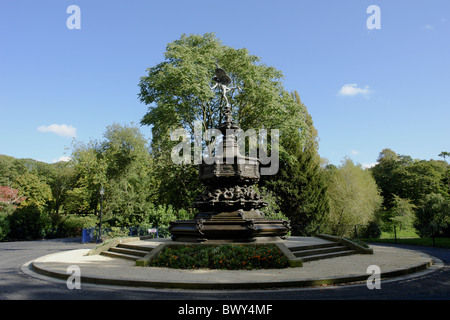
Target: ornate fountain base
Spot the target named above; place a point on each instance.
(235, 226)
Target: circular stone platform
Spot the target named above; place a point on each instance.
(99, 269)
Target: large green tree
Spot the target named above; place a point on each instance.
(11, 168)
(35, 191)
(178, 93)
(401, 214)
(354, 198)
(122, 165)
(61, 180)
(445, 154)
(130, 187)
(400, 175)
(178, 90)
(300, 184)
(433, 216)
(90, 169)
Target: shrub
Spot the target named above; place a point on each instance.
(5, 211)
(4, 226)
(370, 231)
(116, 232)
(433, 216)
(160, 216)
(229, 257)
(72, 225)
(28, 223)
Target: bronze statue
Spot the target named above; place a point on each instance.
(222, 81)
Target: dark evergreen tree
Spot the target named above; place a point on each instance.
(300, 183)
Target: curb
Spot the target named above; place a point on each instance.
(33, 266)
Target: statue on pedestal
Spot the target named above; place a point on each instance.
(229, 206)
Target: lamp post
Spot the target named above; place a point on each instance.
(102, 192)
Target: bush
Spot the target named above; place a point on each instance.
(28, 223)
(72, 225)
(155, 216)
(160, 216)
(5, 211)
(229, 257)
(372, 230)
(115, 232)
(4, 226)
(433, 216)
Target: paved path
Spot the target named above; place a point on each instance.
(101, 269)
(15, 284)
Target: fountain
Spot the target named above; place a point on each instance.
(228, 209)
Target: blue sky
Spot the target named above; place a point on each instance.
(365, 89)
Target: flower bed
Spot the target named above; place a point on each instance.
(228, 257)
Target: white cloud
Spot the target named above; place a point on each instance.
(355, 152)
(62, 158)
(353, 90)
(62, 130)
(369, 165)
(428, 27)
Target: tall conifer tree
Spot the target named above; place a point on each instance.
(300, 182)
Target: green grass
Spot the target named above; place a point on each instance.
(403, 233)
(408, 236)
(227, 257)
(439, 242)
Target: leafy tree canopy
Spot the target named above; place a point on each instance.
(354, 197)
(122, 165)
(178, 92)
(404, 177)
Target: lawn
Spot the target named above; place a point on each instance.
(403, 233)
(408, 236)
(438, 242)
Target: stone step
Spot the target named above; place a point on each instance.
(128, 251)
(135, 247)
(328, 255)
(315, 246)
(322, 250)
(120, 255)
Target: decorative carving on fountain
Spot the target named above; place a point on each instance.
(226, 197)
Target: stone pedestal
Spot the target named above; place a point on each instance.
(228, 227)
